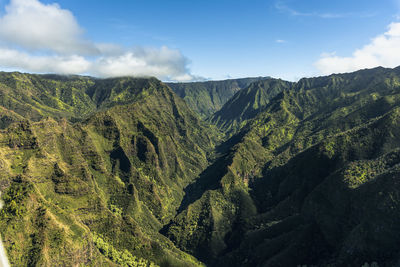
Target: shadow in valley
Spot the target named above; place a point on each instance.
(209, 179)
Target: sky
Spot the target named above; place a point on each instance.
(181, 40)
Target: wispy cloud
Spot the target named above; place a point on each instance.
(280, 41)
(383, 50)
(283, 7)
(38, 37)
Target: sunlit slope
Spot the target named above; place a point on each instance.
(98, 191)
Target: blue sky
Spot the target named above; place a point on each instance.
(184, 40)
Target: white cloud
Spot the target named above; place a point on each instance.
(162, 62)
(36, 26)
(11, 58)
(37, 37)
(280, 41)
(383, 50)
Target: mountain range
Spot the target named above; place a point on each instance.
(205, 98)
(247, 172)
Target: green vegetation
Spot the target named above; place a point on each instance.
(206, 98)
(13, 198)
(112, 179)
(124, 258)
(120, 172)
(307, 179)
(247, 103)
(34, 97)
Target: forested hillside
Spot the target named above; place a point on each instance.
(97, 191)
(208, 97)
(311, 179)
(121, 172)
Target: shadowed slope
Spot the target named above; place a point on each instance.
(270, 208)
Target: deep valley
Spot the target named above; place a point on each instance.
(243, 172)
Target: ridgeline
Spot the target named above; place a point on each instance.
(251, 172)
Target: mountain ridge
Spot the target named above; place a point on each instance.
(208, 97)
(306, 173)
(104, 184)
(295, 122)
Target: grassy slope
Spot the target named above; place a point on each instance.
(26, 96)
(98, 191)
(310, 180)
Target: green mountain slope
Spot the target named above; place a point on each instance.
(208, 97)
(310, 180)
(27, 96)
(98, 191)
(247, 103)
(120, 172)
(34, 97)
